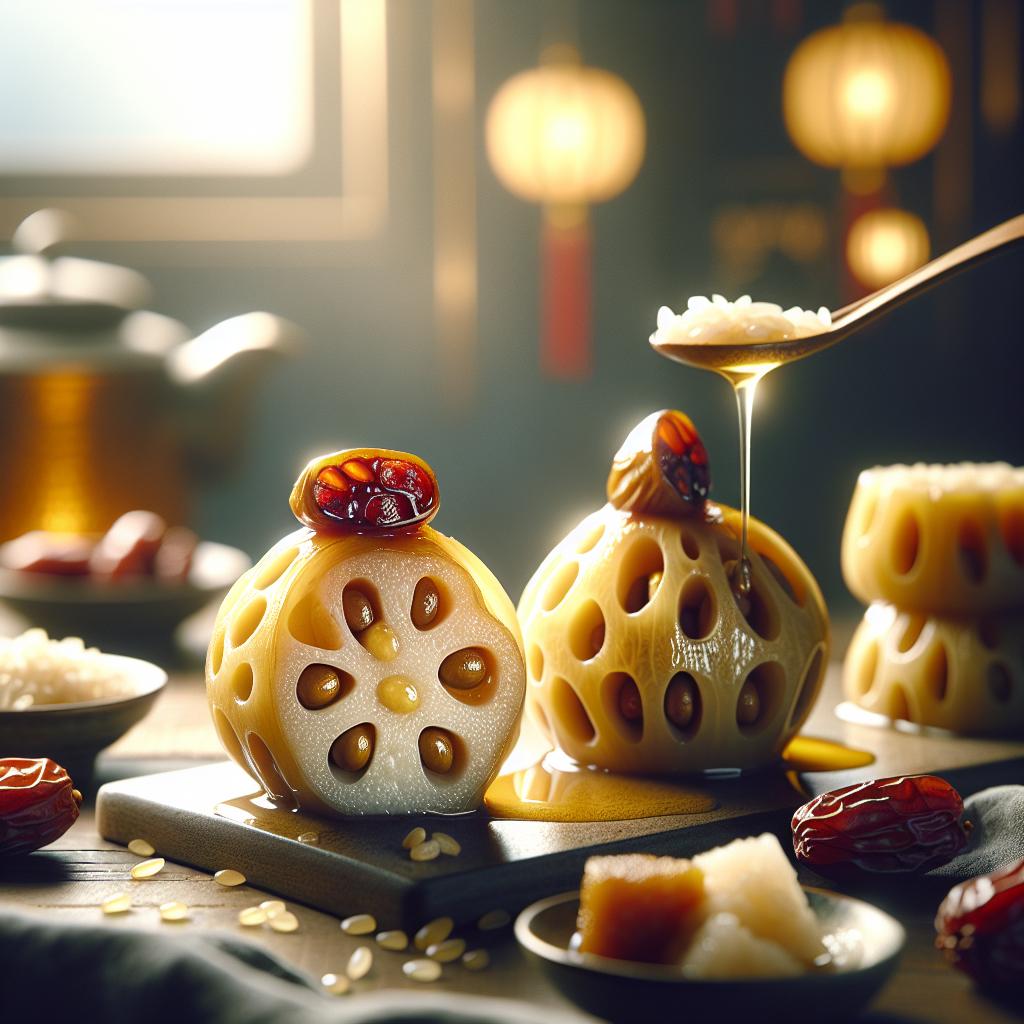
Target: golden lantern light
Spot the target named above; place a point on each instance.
(866, 94)
(885, 244)
(566, 136)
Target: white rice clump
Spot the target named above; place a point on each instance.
(717, 320)
(37, 670)
(751, 886)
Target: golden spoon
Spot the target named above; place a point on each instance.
(737, 358)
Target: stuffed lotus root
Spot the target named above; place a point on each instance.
(368, 664)
(641, 656)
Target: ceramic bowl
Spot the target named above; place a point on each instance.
(101, 610)
(73, 734)
(622, 990)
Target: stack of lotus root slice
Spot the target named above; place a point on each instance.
(938, 553)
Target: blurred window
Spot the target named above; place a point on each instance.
(168, 87)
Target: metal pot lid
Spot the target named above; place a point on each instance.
(36, 283)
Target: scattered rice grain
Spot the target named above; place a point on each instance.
(148, 868)
(173, 910)
(141, 848)
(271, 908)
(447, 951)
(359, 924)
(449, 844)
(251, 917)
(476, 960)
(414, 837)
(335, 984)
(116, 904)
(229, 877)
(433, 932)
(311, 838)
(422, 970)
(430, 850)
(393, 940)
(493, 920)
(286, 921)
(359, 963)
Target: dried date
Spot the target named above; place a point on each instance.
(38, 803)
(980, 927)
(882, 826)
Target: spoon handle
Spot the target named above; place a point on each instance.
(983, 245)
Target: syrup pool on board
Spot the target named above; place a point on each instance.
(733, 339)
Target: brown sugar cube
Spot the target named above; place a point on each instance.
(173, 560)
(639, 907)
(58, 554)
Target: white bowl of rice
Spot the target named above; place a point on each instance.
(63, 700)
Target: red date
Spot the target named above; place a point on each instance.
(980, 927)
(366, 491)
(882, 826)
(682, 457)
(38, 803)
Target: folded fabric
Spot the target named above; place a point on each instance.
(53, 972)
(997, 834)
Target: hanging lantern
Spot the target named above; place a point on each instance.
(565, 136)
(867, 94)
(885, 244)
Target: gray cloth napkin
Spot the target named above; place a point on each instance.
(55, 972)
(997, 835)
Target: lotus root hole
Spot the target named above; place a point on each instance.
(906, 543)
(936, 672)
(442, 753)
(623, 705)
(268, 771)
(999, 683)
(275, 568)
(216, 652)
(320, 686)
(228, 737)
(760, 611)
(988, 633)
(570, 716)
(689, 544)
(247, 620)
(808, 689)
(910, 636)
(470, 675)
(697, 611)
(586, 631)
(790, 587)
(352, 753)
(683, 705)
(972, 551)
(313, 625)
(535, 661)
(640, 574)
(431, 603)
(1011, 525)
(760, 698)
(241, 682)
(541, 718)
(588, 540)
(897, 705)
(558, 585)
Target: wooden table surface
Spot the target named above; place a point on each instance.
(81, 869)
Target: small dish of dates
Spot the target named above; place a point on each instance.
(140, 576)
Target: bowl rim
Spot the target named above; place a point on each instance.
(672, 974)
(147, 678)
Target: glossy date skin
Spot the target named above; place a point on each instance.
(38, 803)
(980, 927)
(882, 826)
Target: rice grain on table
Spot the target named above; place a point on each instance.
(447, 951)
(414, 837)
(393, 940)
(359, 924)
(148, 868)
(36, 670)
(252, 917)
(493, 920)
(286, 921)
(229, 877)
(449, 845)
(141, 848)
(271, 908)
(359, 963)
(476, 960)
(335, 984)
(173, 910)
(430, 850)
(422, 970)
(116, 904)
(433, 932)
